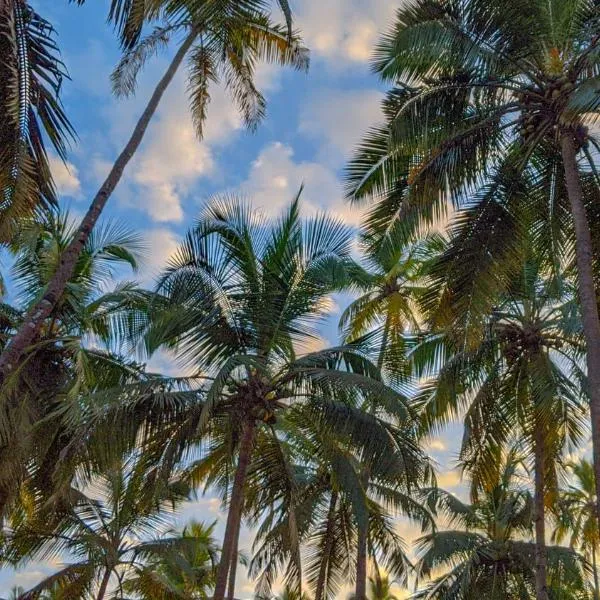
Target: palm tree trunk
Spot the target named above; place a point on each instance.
(329, 541)
(541, 589)
(587, 293)
(234, 517)
(595, 571)
(42, 309)
(361, 563)
(103, 585)
(233, 565)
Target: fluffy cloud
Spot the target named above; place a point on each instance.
(343, 31)
(275, 179)
(172, 159)
(339, 118)
(66, 177)
(161, 244)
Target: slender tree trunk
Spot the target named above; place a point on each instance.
(587, 293)
(362, 543)
(595, 571)
(234, 517)
(329, 541)
(541, 589)
(42, 309)
(361, 563)
(233, 565)
(360, 592)
(103, 585)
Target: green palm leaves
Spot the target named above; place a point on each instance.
(32, 75)
(482, 553)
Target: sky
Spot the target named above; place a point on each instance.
(312, 124)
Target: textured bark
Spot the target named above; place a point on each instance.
(329, 541)
(234, 517)
(587, 293)
(103, 585)
(541, 589)
(42, 309)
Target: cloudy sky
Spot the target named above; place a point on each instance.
(313, 121)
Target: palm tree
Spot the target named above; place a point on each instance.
(41, 402)
(32, 74)
(380, 588)
(484, 554)
(237, 301)
(106, 531)
(391, 284)
(336, 503)
(383, 317)
(222, 40)
(577, 515)
(480, 84)
(187, 573)
(522, 379)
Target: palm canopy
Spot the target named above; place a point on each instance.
(576, 503)
(390, 280)
(482, 553)
(111, 529)
(31, 114)
(334, 499)
(226, 41)
(129, 18)
(477, 83)
(184, 571)
(40, 404)
(524, 375)
(239, 301)
(576, 519)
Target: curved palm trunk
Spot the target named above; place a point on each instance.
(42, 309)
(541, 589)
(103, 585)
(234, 517)
(587, 293)
(233, 565)
(329, 541)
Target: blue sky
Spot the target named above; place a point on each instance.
(312, 124)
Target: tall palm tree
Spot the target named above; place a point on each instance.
(30, 109)
(237, 301)
(187, 573)
(577, 520)
(479, 84)
(107, 531)
(42, 400)
(223, 41)
(483, 554)
(522, 379)
(382, 318)
(336, 503)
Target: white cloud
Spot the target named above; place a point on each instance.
(343, 31)
(161, 245)
(172, 159)
(340, 118)
(66, 177)
(436, 445)
(275, 179)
